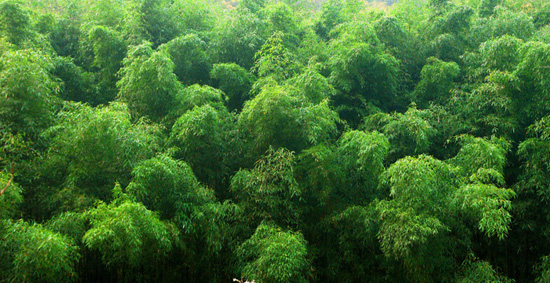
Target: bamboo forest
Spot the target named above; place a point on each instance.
(273, 141)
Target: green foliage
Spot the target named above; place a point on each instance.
(11, 199)
(500, 53)
(361, 70)
(353, 232)
(478, 153)
(234, 81)
(269, 191)
(163, 184)
(109, 50)
(543, 270)
(489, 205)
(77, 84)
(535, 77)
(15, 22)
(362, 156)
(273, 59)
(97, 147)
(195, 16)
(314, 86)
(542, 17)
(70, 224)
(148, 83)
(273, 255)
(409, 133)
(127, 235)
(27, 90)
(191, 62)
(277, 118)
(280, 18)
(436, 81)
(417, 220)
(480, 271)
(31, 253)
(502, 22)
(201, 137)
(239, 123)
(238, 38)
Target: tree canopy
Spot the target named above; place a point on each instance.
(274, 141)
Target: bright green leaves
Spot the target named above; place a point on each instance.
(409, 134)
(280, 18)
(164, 184)
(275, 60)
(31, 253)
(362, 156)
(489, 205)
(500, 53)
(534, 100)
(127, 235)
(98, 146)
(347, 174)
(478, 153)
(274, 255)
(148, 83)
(436, 81)
(235, 81)
(10, 199)
(482, 161)
(197, 96)
(543, 270)
(276, 117)
(201, 137)
(191, 62)
(416, 221)
(480, 271)
(422, 183)
(269, 191)
(15, 22)
(238, 38)
(311, 84)
(535, 154)
(403, 230)
(27, 91)
(361, 70)
(429, 203)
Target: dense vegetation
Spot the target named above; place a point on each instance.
(275, 141)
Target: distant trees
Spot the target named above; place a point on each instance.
(199, 141)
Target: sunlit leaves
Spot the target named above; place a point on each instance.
(238, 38)
(201, 137)
(11, 198)
(148, 83)
(490, 205)
(273, 255)
(437, 80)
(191, 62)
(127, 235)
(15, 21)
(477, 153)
(31, 253)
(274, 59)
(269, 191)
(98, 146)
(362, 156)
(163, 184)
(27, 91)
(480, 271)
(234, 81)
(276, 117)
